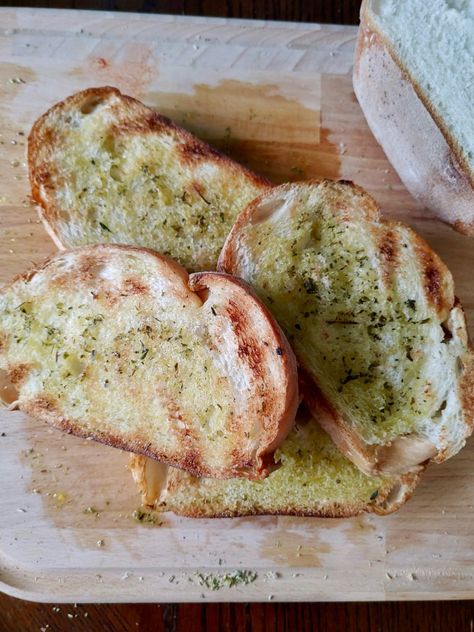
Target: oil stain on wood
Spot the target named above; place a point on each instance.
(254, 124)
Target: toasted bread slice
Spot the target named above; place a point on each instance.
(106, 168)
(314, 479)
(371, 312)
(118, 344)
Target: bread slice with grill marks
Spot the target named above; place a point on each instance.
(119, 344)
(105, 168)
(370, 309)
(314, 479)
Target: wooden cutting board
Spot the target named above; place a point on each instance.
(279, 98)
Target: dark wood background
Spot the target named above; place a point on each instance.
(16, 615)
(337, 11)
(453, 616)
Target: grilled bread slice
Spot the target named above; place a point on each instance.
(314, 479)
(371, 312)
(118, 344)
(106, 168)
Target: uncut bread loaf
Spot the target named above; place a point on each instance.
(118, 344)
(413, 74)
(105, 168)
(314, 479)
(370, 311)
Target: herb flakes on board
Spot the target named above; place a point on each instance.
(216, 581)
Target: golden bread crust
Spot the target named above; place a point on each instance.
(402, 453)
(133, 176)
(103, 314)
(168, 489)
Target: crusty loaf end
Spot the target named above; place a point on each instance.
(426, 151)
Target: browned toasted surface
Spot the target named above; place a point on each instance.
(371, 313)
(111, 342)
(106, 168)
(314, 479)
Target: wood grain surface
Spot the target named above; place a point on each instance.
(453, 616)
(18, 615)
(326, 11)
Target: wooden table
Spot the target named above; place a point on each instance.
(18, 615)
(454, 616)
